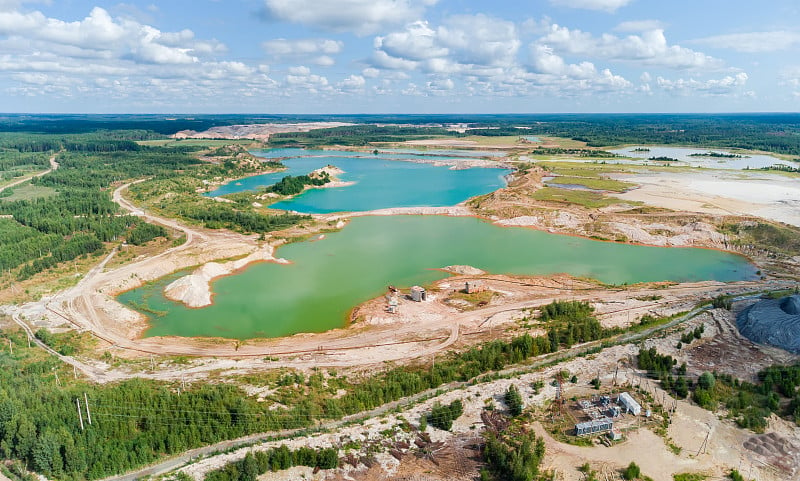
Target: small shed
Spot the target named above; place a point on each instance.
(471, 287)
(615, 434)
(593, 427)
(629, 403)
(418, 294)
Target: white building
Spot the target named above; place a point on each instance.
(630, 404)
(418, 294)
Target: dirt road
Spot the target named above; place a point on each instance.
(53, 166)
(91, 306)
(564, 355)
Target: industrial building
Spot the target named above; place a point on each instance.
(392, 305)
(593, 427)
(471, 287)
(630, 404)
(418, 294)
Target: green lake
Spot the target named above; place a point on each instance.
(329, 277)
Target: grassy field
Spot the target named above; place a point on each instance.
(494, 141)
(585, 198)
(63, 276)
(766, 235)
(594, 183)
(28, 192)
(475, 299)
(562, 142)
(9, 176)
(584, 169)
(587, 175)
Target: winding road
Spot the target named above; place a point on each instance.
(22, 180)
(83, 305)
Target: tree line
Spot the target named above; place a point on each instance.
(276, 459)
(292, 185)
(749, 404)
(44, 232)
(512, 456)
(138, 421)
(142, 233)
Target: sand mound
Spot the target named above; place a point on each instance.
(464, 270)
(775, 322)
(194, 290)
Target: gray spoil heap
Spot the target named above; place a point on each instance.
(775, 322)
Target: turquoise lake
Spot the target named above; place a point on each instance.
(381, 181)
(329, 277)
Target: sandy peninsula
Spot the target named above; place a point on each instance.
(194, 290)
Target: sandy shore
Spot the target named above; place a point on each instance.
(755, 193)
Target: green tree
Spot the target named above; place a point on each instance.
(514, 400)
(734, 475)
(249, 471)
(706, 381)
(632, 471)
(442, 416)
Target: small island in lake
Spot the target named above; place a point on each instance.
(719, 155)
(663, 159)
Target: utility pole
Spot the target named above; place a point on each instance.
(80, 416)
(11, 346)
(88, 413)
(705, 442)
(58, 383)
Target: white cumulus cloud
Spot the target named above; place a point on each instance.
(101, 36)
(353, 82)
(649, 48)
(724, 86)
(544, 61)
(361, 17)
(461, 43)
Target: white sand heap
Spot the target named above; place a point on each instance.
(194, 290)
(464, 270)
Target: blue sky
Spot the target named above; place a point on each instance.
(399, 56)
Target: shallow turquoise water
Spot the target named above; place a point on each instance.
(380, 182)
(329, 277)
(683, 155)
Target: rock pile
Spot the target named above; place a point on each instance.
(775, 322)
